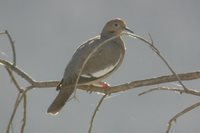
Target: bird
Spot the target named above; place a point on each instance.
(103, 62)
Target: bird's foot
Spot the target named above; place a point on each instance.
(103, 85)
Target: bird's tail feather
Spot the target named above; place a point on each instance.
(60, 100)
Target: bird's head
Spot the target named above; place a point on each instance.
(115, 27)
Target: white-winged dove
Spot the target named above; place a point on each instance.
(101, 64)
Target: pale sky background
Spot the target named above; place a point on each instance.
(47, 32)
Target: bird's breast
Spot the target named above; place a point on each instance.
(105, 60)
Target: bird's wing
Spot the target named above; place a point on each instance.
(104, 61)
(73, 68)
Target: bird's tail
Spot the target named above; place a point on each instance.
(60, 100)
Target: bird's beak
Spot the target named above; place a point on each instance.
(128, 30)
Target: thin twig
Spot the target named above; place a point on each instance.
(14, 112)
(163, 88)
(13, 79)
(173, 119)
(151, 44)
(12, 46)
(12, 128)
(17, 102)
(24, 114)
(18, 71)
(95, 111)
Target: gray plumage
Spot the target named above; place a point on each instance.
(101, 64)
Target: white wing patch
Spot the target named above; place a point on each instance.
(101, 72)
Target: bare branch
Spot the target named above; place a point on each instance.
(14, 112)
(13, 79)
(151, 44)
(2, 33)
(180, 114)
(163, 88)
(17, 70)
(95, 111)
(11, 67)
(24, 114)
(110, 90)
(145, 82)
(17, 102)
(12, 45)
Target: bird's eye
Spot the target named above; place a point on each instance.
(116, 25)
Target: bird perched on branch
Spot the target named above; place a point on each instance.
(104, 61)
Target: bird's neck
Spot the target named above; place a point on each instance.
(108, 35)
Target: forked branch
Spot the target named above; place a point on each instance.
(22, 92)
